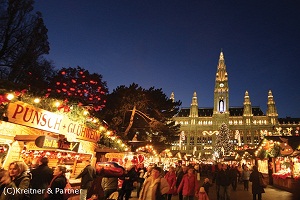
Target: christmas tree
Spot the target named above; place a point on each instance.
(223, 145)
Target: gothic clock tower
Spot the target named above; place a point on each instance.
(221, 93)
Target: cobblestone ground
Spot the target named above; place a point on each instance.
(272, 193)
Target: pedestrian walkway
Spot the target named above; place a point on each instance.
(271, 193)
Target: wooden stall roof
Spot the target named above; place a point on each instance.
(105, 150)
(26, 137)
(293, 141)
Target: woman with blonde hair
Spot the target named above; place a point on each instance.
(16, 178)
(154, 187)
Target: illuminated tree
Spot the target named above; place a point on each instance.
(77, 85)
(223, 145)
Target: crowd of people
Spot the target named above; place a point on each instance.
(42, 182)
(151, 183)
(184, 181)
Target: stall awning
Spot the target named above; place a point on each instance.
(105, 150)
(293, 141)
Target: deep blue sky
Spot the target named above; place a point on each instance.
(175, 45)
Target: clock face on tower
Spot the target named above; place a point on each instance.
(221, 84)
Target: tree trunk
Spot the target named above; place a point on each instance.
(130, 122)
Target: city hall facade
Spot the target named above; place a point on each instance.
(247, 124)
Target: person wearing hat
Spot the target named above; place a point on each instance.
(202, 194)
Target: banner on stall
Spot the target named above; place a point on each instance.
(28, 115)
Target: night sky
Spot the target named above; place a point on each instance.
(175, 45)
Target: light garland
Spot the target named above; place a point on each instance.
(75, 112)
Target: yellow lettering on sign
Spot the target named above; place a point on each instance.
(50, 143)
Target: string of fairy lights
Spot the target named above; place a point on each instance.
(75, 112)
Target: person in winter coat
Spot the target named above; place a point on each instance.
(234, 173)
(224, 180)
(202, 194)
(206, 185)
(246, 177)
(182, 171)
(57, 184)
(189, 185)
(41, 177)
(87, 175)
(215, 179)
(127, 186)
(257, 189)
(141, 173)
(16, 178)
(154, 185)
(109, 185)
(171, 178)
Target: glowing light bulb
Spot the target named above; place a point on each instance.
(36, 100)
(10, 96)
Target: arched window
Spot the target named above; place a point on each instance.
(221, 106)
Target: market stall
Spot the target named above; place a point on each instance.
(31, 133)
(279, 159)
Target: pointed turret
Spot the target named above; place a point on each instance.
(194, 100)
(194, 106)
(172, 97)
(247, 109)
(271, 110)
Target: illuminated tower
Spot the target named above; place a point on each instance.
(221, 94)
(271, 110)
(194, 106)
(247, 112)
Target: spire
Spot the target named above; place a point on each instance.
(271, 109)
(221, 71)
(246, 98)
(221, 91)
(247, 106)
(194, 100)
(194, 106)
(270, 98)
(172, 96)
(221, 56)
